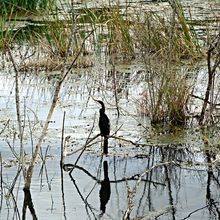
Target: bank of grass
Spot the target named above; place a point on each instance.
(125, 34)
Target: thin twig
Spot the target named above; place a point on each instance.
(76, 57)
(198, 97)
(196, 210)
(62, 141)
(115, 89)
(85, 145)
(211, 75)
(131, 193)
(81, 196)
(134, 177)
(5, 126)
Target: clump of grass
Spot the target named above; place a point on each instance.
(167, 94)
(56, 38)
(14, 28)
(176, 98)
(129, 32)
(169, 41)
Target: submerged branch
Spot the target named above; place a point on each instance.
(135, 177)
(1, 181)
(62, 141)
(196, 210)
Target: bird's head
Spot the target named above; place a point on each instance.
(101, 103)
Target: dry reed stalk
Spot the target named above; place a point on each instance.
(18, 110)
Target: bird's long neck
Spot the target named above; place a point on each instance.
(103, 107)
(102, 111)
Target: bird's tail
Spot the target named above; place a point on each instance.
(105, 150)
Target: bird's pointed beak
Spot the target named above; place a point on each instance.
(94, 99)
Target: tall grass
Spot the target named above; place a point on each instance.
(22, 5)
(126, 34)
(165, 43)
(160, 37)
(129, 31)
(7, 34)
(13, 22)
(166, 94)
(111, 29)
(120, 39)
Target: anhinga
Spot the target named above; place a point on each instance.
(104, 126)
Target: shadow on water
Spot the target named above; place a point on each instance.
(212, 178)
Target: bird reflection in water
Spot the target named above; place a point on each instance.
(105, 190)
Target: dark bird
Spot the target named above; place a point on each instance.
(104, 126)
(105, 190)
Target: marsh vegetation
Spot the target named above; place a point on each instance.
(154, 64)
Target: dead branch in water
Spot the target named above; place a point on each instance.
(211, 75)
(115, 89)
(86, 144)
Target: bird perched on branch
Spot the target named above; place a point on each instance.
(104, 125)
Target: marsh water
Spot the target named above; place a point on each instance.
(150, 172)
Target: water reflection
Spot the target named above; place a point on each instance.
(88, 207)
(105, 190)
(28, 204)
(211, 199)
(150, 187)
